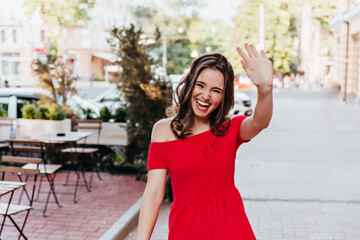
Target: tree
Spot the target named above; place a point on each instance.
(205, 34)
(145, 92)
(55, 78)
(278, 39)
(172, 18)
(178, 56)
(53, 74)
(57, 14)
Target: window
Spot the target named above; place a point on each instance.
(42, 35)
(2, 36)
(10, 63)
(4, 67)
(16, 67)
(14, 36)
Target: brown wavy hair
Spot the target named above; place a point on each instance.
(182, 113)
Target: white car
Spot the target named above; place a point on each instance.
(111, 99)
(12, 100)
(242, 105)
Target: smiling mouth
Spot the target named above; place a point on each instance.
(202, 105)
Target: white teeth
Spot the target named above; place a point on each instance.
(203, 104)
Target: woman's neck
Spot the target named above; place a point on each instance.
(200, 125)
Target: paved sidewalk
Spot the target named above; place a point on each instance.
(88, 219)
(299, 179)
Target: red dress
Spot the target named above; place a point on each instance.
(207, 205)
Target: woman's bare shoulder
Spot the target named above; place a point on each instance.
(162, 132)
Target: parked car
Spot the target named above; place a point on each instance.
(242, 81)
(242, 105)
(12, 100)
(111, 99)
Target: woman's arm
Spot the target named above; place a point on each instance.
(155, 188)
(259, 69)
(152, 199)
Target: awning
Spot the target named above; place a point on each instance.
(348, 16)
(105, 55)
(113, 68)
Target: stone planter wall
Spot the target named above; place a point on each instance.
(111, 134)
(26, 128)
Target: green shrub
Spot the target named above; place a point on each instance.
(120, 115)
(3, 112)
(56, 112)
(145, 92)
(44, 113)
(29, 111)
(105, 114)
(88, 113)
(53, 112)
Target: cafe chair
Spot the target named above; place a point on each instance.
(47, 170)
(7, 131)
(10, 164)
(85, 152)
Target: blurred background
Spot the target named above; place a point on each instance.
(120, 60)
(312, 44)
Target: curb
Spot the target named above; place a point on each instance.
(125, 224)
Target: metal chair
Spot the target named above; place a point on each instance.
(46, 170)
(9, 209)
(6, 123)
(93, 152)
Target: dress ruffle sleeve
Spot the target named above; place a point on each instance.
(156, 159)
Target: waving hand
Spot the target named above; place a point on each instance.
(256, 65)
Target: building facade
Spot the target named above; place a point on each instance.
(346, 25)
(314, 58)
(23, 38)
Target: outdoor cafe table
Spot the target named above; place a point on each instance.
(66, 138)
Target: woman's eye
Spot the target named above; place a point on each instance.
(200, 85)
(217, 91)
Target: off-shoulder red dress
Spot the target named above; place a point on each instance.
(207, 205)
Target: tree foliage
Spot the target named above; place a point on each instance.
(172, 17)
(205, 34)
(278, 37)
(60, 13)
(55, 78)
(146, 93)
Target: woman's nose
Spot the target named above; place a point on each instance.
(206, 95)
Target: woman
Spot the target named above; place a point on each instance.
(198, 147)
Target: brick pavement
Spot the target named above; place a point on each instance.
(299, 178)
(88, 219)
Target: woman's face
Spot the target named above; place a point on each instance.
(207, 93)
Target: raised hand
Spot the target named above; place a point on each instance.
(257, 67)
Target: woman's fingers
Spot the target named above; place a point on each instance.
(255, 52)
(263, 55)
(242, 54)
(249, 51)
(243, 63)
